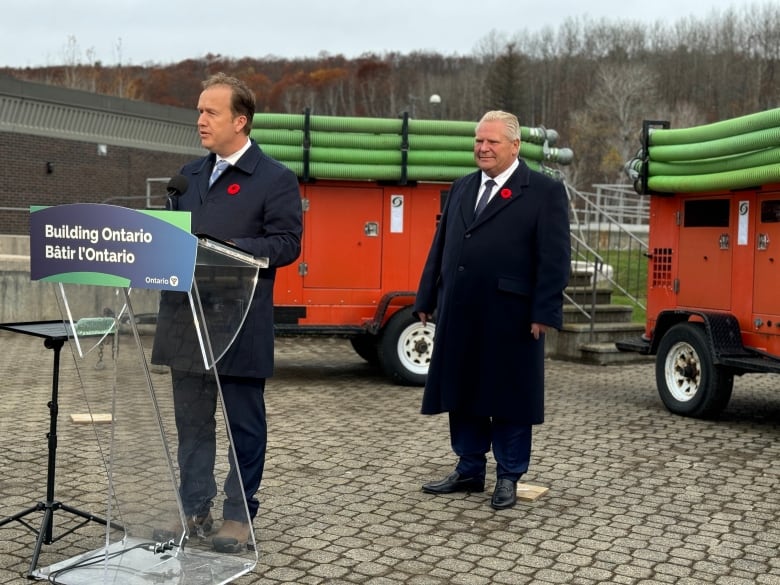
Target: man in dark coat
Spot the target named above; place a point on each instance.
(494, 279)
(254, 203)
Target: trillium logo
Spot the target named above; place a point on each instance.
(174, 280)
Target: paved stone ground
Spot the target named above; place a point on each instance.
(637, 496)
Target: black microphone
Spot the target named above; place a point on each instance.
(176, 186)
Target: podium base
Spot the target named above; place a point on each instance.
(131, 562)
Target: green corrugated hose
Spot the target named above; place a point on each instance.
(732, 154)
(758, 158)
(382, 149)
(351, 124)
(738, 144)
(395, 157)
(716, 130)
(370, 172)
(716, 181)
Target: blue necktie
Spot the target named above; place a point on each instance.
(483, 201)
(219, 168)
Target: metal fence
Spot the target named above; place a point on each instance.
(609, 231)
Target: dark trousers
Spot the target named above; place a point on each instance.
(473, 436)
(195, 403)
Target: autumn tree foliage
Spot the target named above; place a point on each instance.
(593, 81)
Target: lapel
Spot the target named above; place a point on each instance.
(469, 200)
(203, 173)
(246, 164)
(515, 184)
(250, 159)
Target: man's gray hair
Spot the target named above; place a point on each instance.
(510, 121)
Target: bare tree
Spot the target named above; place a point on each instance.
(604, 130)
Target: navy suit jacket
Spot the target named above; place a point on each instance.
(256, 204)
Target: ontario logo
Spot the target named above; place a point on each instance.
(172, 280)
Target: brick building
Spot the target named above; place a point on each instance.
(67, 146)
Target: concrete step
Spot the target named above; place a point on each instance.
(584, 295)
(606, 330)
(605, 354)
(580, 278)
(567, 342)
(601, 313)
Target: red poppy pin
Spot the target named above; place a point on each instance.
(506, 193)
(234, 189)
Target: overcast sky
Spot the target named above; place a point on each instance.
(142, 32)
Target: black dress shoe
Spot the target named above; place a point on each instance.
(454, 482)
(505, 494)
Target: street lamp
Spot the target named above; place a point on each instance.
(435, 102)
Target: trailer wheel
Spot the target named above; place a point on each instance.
(405, 348)
(688, 381)
(365, 345)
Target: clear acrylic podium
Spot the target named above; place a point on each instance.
(112, 337)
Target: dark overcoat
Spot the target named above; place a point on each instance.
(487, 280)
(256, 204)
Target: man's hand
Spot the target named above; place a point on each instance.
(424, 317)
(537, 329)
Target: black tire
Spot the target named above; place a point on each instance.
(405, 348)
(366, 346)
(689, 382)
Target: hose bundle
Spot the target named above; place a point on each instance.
(732, 154)
(388, 149)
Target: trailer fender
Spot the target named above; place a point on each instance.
(384, 303)
(722, 331)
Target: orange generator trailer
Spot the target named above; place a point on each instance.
(364, 246)
(713, 308)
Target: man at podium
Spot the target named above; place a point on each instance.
(239, 195)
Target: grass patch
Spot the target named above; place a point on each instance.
(630, 272)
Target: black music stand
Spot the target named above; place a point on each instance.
(54, 334)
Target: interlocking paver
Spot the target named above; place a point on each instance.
(637, 496)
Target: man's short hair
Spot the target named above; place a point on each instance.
(242, 102)
(510, 121)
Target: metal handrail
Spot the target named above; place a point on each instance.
(596, 261)
(597, 234)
